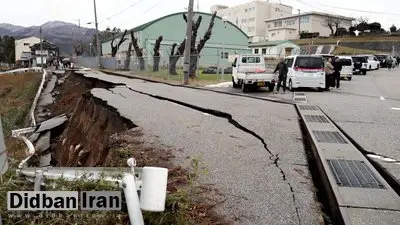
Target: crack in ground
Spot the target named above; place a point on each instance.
(237, 125)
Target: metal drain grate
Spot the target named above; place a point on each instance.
(299, 94)
(308, 107)
(354, 173)
(329, 137)
(299, 99)
(316, 118)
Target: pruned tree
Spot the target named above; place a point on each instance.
(128, 56)
(138, 51)
(114, 48)
(78, 48)
(194, 51)
(157, 55)
(393, 29)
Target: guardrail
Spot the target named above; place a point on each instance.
(35, 101)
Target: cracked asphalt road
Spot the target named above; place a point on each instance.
(260, 187)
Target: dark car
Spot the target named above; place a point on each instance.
(383, 60)
(210, 70)
(360, 64)
(227, 70)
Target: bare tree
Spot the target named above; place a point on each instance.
(333, 23)
(193, 50)
(156, 57)
(138, 51)
(114, 48)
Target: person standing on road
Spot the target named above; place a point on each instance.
(283, 70)
(337, 67)
(329, 70)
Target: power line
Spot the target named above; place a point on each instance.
(355, 10)
(116, 14)
(150, 8)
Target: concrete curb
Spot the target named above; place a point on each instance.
(357, 193)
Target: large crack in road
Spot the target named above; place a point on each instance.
(273, 157)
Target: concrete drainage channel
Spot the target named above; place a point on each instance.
(356, 193)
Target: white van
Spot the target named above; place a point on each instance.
(305, 71)
(347, 67)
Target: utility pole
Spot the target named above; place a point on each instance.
(299, 24)
(188, 42)
(41, 47)
(97, 35)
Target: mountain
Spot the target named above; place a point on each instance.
(60, 33)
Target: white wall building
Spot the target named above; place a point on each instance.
(251, 17)
(287, 28)
(274, 49)
(23, 46)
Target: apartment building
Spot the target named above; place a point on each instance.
(250, 17)
(287, 28)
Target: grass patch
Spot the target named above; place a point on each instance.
(163, 75)
(340, 50)
(17, 93)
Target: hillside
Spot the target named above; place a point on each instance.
(60, 33)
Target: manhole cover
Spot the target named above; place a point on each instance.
(316, 119)
(329, 137)
(308, 107)
(353, 173)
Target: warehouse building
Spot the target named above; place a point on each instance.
(226, 39)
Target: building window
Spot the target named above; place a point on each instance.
(244, 20)
(290, 22)
(278, 23)
(256, 51)
(246, 10)
(277, 9)
(264, 51)
(252, 19)
(224, 55)
(273, 35)
(305, 19)
(250, 29)
(252, 9)
(269, 26)
(26, 44)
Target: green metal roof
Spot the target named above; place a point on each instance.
(145, 25)
(267, 43)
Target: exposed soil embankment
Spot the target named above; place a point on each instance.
(85, 140)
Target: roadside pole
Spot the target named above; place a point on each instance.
(186, 60)
(41, 48)
(97, 35)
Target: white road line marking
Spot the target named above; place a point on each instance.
(382, 98)
(395, 108)
(206, 114)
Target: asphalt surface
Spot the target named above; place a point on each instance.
(268, 184)
(367, 108)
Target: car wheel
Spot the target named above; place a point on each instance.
(370, 67)
(364, 72)
(321, 89)
(349, 78)
(291, 86)
(235, 85)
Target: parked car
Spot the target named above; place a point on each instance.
(249, 73)
(306, 71)
(373, 62)
(227, 70)
(347, 67)
(210, 70)
(360, 64)
(383, 60)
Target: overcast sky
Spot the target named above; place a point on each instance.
(28, 12)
